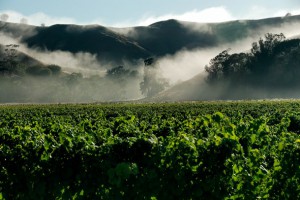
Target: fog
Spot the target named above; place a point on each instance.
(186, 70)
(186, 64)
(81, 62)
(84, 78)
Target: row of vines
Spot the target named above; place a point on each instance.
(212, 150)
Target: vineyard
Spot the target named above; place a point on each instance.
(195, 150)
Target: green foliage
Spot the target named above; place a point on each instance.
(120, 73)
(55, 69)
(8, 61)
(230, 150)
(153, 82)
(272, 63)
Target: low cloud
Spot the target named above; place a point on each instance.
(82, 62)
(185, 64)
(93, 86)
(202, 16)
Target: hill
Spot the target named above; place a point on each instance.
(168, 37)
(270, 70)
(122, 75)
(158, 39)
(107, 45)
(17, 63)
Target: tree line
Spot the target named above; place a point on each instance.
(24, 79)
(272, 62)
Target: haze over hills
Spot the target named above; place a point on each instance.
(158, 39)
(181, 50)
(270, 70)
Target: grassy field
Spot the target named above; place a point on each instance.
(187, 150)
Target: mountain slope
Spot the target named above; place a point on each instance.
(98, 40)
(271, 70)
(125, 46)
(158, 39)
(168, 37)
(14, 62)
(188, 90)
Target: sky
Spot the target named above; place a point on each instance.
(123, 13)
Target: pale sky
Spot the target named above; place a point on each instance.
(123, 13)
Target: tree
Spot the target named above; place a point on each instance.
(273, 61)
(217, 66)
(288, 15)
(39, 71)
(120, 73)
(119, 79)
(72, 80)
(55, 69)
(8, 62)
(149, 61)
(152, 82)
(263, 52)
(265, 46)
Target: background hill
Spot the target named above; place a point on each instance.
(16, 63)
(158, 39)
(168, 37)
(106, 44)
(97, 63)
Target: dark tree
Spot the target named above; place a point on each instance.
(153, 82)
(116, 72)
(263, 53)
(73, 79)
(273, 66)
(8, 62)
(149, 61)
(38, 71)
(55, 69)
(120, 73)
(217, 66)
(241, 66)
(264, 47)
